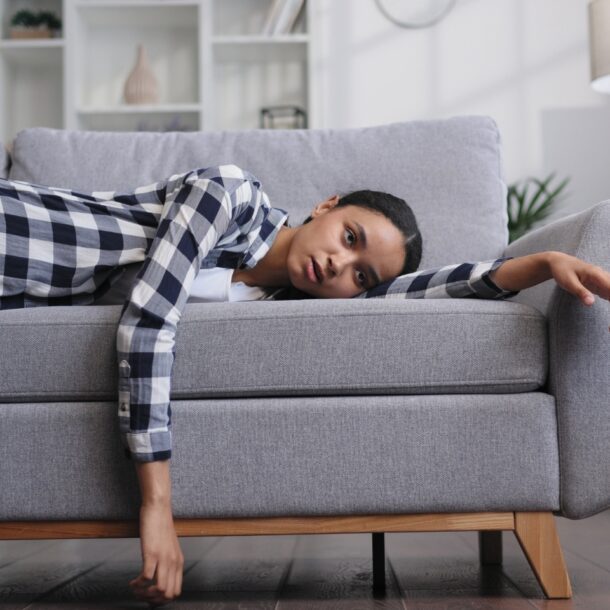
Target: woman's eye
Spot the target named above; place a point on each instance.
(363, 282)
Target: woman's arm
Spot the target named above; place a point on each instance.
(571, 273)
(497, 279)
(198, 208)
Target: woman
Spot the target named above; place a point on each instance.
(60, 247)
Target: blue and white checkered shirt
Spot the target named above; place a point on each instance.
(63, 247)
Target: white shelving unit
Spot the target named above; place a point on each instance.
(215, 69)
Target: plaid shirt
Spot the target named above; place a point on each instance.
(62, 247)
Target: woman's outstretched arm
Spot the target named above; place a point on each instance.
(578, 277)
(498, 279)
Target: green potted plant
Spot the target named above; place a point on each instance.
(27, 24)
(525, 208)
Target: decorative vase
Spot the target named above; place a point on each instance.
(141, 86)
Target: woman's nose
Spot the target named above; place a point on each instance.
(338, 262)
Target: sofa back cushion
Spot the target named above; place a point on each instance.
(448, 170)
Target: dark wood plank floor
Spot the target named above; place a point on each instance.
(423, 570)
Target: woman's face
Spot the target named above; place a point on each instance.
(334, 239)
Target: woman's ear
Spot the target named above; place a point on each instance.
(325, 206)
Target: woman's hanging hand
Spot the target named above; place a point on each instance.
(160, 580)
(580, 278)
(161, 577)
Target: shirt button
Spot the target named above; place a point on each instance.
(123, 406)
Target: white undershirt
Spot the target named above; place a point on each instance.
(215, 285)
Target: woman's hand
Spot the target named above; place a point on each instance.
(161, 577)
(572, 274)
(579, 277)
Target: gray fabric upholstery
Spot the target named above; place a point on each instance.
(323, 406)
(290, 456)
(579, 344)
(267, 348)
(447, 170)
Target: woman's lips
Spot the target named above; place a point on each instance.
(311, 273)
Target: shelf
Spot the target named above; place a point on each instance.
(139, 108)
(39, 52)
(151, 121)
(31, 43)
(261, 39)
(140, 4)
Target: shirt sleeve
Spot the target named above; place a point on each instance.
(462, 280)
(198, 207)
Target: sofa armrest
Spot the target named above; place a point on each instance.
(5, 160)
(579, 359)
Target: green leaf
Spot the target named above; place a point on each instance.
(526, 209)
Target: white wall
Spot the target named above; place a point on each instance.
(523, 62)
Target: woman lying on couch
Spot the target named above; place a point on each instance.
(62, 247)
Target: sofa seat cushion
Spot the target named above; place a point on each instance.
(274, 348)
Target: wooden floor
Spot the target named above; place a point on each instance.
(423, 570)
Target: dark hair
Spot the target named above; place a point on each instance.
(394, 208)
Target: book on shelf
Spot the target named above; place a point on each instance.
(282, 16)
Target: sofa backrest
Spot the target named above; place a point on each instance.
(449, 170)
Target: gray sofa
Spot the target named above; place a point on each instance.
(367, 415)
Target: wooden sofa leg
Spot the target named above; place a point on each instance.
(490, 548)
(378, 562)
(537, 535)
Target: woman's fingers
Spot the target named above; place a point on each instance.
(144, 586)
(599, 282)
(164, 590)
(583, 280)
(168, 590)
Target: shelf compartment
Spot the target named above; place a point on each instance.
(248, 77)
(109, 36)
(9, 7)
(32, 94)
